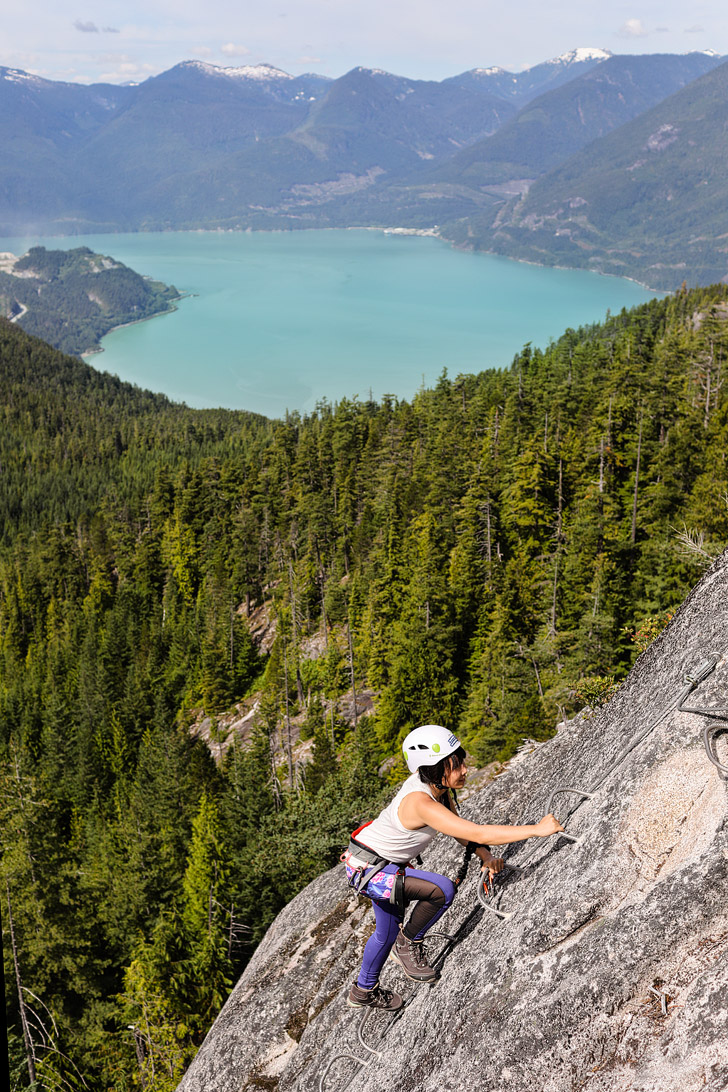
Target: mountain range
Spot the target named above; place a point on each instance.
(649, 199)
(202, 146)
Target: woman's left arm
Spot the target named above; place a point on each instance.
(493, 864)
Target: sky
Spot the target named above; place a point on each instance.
(122, 41)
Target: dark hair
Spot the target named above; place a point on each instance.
(433, 775)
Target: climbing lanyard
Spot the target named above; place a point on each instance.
(485, 888)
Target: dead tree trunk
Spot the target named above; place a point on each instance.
(289, 753)
(633, 536)
(27, 1038)
(351, 665)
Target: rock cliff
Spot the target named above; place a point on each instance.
(612, 973)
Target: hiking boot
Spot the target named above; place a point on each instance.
(375, 998)
(411, 958)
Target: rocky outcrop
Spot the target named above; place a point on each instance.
(612, 973)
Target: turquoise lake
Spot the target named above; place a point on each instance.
(281, 320)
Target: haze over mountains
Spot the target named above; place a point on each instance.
(201, 146)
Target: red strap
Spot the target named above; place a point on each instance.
(361, 828)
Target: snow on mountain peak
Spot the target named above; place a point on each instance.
(370, 71)
(16, 75)
(257, 72)
(244, 72)
(581, 53)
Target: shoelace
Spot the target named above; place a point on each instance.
(417, 951)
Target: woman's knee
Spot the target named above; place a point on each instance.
(446, 886)
(432, 887)
(448, 889)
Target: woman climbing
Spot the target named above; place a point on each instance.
(377, 861)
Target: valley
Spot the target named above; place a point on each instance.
(253, 148)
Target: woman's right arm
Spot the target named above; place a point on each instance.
(419, 809)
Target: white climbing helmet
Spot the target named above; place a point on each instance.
(426, 745)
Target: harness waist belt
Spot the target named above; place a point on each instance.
(372, 862)
(365, 855)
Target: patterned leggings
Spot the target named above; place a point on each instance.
(432, 893)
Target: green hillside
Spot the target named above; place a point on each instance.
(649, 200)
(71, 298)
(489, 555)
(560, 122)
(251, 147)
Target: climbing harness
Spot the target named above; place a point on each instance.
(370, 863)
(488, 897)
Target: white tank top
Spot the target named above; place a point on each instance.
(387, 836)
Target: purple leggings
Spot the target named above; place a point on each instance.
(434, 893)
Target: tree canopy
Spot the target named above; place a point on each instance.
(480, 555)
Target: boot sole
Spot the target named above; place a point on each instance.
(431, 978)
(377, 1008)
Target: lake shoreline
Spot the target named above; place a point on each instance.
(400, 232)
(284, 319)
(135, 322)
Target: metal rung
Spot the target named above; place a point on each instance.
(503, 914)
(360, 1033)
(550, 804)
(709, 734)
(334, 1060)
(705, 668)
(563, 789)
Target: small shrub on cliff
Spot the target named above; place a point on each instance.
(648, 630)
(594, 692)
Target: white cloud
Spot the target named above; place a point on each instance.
(126, 72)
(633, 28)
(425, 39)
(122, 67)
(203, 51)
(27, 61)
(230, 49)
(695, 30)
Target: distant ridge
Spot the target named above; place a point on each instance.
(252, 146)
(649, 200)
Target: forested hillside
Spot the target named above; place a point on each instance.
(483, 556)
(71, 298)
(646, 200)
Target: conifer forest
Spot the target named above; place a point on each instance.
(491, 555)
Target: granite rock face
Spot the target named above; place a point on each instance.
(612, 973)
